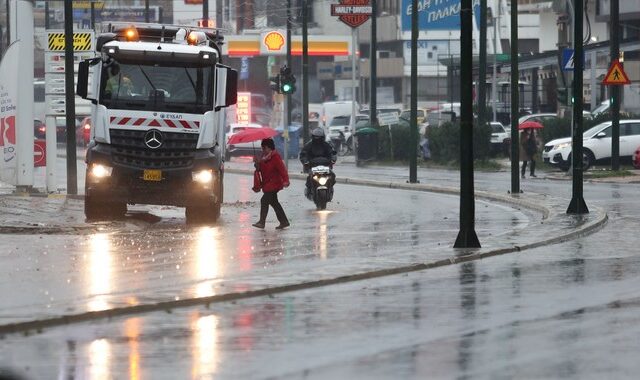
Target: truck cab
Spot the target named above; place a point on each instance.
(157, 132)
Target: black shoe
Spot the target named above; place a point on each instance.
(534, 176)
(258, 225)
(282, 226)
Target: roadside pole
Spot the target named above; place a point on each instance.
(467, 237)
(205, 12)
(494, 86)
(305, 73)
(482, 66)
(287, 104)
(515, 99)
(577, 205)
(615, 90)
(352, 121)
(373, 58)
(70, 101)
(413, 159)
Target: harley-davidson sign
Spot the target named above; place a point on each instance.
(352, 12)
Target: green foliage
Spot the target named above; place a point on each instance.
(444, 142)
(395, 142)
(555, 129)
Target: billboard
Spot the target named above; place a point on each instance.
(8, 113)
(436, 14)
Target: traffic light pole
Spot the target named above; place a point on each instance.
(413, 159)
(482, 65)
(373, 54)
(70, 106)
(287, 119)
(305, 73)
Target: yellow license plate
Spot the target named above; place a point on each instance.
(152, 175)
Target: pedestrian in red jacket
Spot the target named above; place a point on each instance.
(274, 177)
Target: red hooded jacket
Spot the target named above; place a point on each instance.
(274, 174)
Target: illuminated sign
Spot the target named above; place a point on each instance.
(273, 42)
(243, 108)
(352, 12)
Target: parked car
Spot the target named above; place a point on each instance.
(83, 132)
(499, 137)
(421, 115)
(39, 129)
(596, 145)
(250, 148)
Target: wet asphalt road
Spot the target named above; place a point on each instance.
(561, 311)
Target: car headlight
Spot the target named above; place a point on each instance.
(562, 146)
(322, 181)
(101, 171)
(203, 176)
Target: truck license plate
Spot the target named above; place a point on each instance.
(152, 175)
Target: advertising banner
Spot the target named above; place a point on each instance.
(436, 14)
(8, 112)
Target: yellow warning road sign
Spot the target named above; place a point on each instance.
(81, 41)
(616, 75)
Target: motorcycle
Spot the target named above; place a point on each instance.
(320, 182)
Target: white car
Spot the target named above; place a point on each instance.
(248, 149)
(498, 136)
(596, 145)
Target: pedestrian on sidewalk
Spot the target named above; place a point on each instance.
(273, 178)
(528, 151)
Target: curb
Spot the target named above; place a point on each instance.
(467, 256)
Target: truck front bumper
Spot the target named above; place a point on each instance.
(173, 186)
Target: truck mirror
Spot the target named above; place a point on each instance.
(83, 79)
(226, 87)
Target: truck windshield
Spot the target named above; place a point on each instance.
(157, 87)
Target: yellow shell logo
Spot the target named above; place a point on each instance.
(274, 41)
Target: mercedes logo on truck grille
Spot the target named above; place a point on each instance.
(153, 139)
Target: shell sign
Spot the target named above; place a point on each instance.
(273, 43)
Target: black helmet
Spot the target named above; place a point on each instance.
(317, 135)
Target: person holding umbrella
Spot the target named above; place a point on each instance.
(273, 177)
(528, 146)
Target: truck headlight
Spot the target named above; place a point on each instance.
(101, 171)
(203, 176)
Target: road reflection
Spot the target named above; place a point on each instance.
(207, 265)
(99, 359)
(100, 272)
(321, 236)
(132, 332)
(205, 351)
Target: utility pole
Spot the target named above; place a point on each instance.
(373, 57)
(218, 13)
(413, 159)
(615, 90)
(577, 205)
(70, 101)
(305, 72)
(482, 68)
(287, 118)
(467, 237)
(494, 85)
(205, 12)
(93, 15)
(515, 101)
(146, 10)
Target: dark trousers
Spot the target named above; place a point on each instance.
(524, 167)
(270, 198)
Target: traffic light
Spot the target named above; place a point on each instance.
(275, 83)
(562, 96)
(287, 81)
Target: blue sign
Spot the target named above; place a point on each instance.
(436, 14)
(568, 56)
(244, 68)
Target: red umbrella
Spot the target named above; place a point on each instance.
(251, 135)
(530, 124)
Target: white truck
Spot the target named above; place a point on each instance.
(157, 131)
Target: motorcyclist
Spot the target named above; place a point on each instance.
(315, 152)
